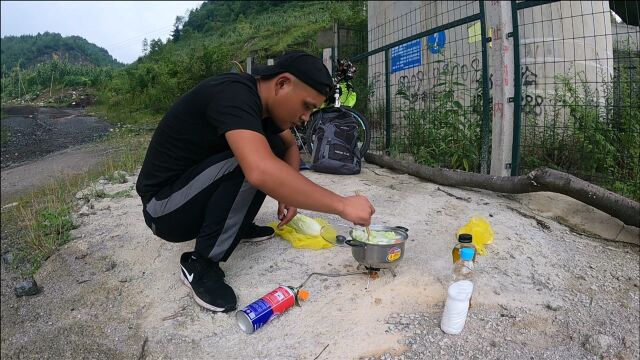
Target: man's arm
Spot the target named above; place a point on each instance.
(292, 157)
(282, 182)
(292, 154)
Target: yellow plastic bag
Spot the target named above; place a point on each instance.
(301, 241)
(480, 230)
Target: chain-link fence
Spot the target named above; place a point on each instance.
(423, 95)
(580, 91)
(577, 70)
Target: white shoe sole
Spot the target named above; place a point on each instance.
(197, 299)
(258, 239)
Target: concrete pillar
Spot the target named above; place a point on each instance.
(326, 59)
(499, 24)
(335, 40)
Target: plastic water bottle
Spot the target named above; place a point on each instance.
(464, 241)
(459, 294)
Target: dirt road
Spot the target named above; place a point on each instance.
(45, 143)
(37, 132)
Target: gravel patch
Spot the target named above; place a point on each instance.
(36, 132)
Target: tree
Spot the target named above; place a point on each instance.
(155, 45)
(145, 46)
(177, 28)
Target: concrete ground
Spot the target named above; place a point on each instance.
(544, 290)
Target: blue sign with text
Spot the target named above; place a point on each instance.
(435, 42)
(406, 56)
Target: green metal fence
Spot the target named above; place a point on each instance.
(579, 109)
(421, 86)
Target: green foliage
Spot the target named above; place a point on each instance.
(213, 16)
(4, 132)
(26, 51)
(593, 134)
(54, 225)
(49, 77)
(42, 221)
(441, 131)
(202, 45)
(5, 135)
(213, 36)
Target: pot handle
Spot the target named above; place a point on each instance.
(353, 243)
(402, 228)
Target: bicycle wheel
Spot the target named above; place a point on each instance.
(364, 132)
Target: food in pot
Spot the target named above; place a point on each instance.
(377, 237)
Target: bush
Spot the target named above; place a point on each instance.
(442, 131)
(593, 134)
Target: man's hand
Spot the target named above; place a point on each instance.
(357, 209)
(285, 214)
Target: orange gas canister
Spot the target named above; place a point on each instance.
(255, 315)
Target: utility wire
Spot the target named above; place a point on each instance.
(122, 42)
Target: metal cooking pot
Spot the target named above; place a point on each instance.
(380, 256)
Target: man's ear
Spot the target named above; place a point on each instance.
(283, 81)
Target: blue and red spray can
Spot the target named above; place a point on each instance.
(258, 313)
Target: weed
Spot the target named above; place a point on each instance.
(5, 135)
(440, 130)
(42, 221)
(593, 134)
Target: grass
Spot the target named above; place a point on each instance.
(592, 135)
(41, 222)
(4, 132)
(4, 135)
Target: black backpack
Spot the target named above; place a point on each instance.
(335, 149)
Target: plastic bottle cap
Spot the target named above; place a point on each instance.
(303, 294)
(467, 254)
(465, 238)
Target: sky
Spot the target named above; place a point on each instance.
(117, 26)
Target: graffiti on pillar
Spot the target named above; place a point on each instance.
(464, 72)
(532, 103)
(475, 66)
(439, 67)
(411, 88)
(477, 72)
(451, 70)
(505, 75)
(496, 34)
(529, 77)
(498, 110)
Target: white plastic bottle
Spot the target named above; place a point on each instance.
(459, 294)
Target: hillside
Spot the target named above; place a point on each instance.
(203, 44)
(213, 36)
(30, 50)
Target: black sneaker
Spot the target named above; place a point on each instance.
(255, 233)
(206, 281)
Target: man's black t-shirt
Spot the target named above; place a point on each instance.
(193, 129)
